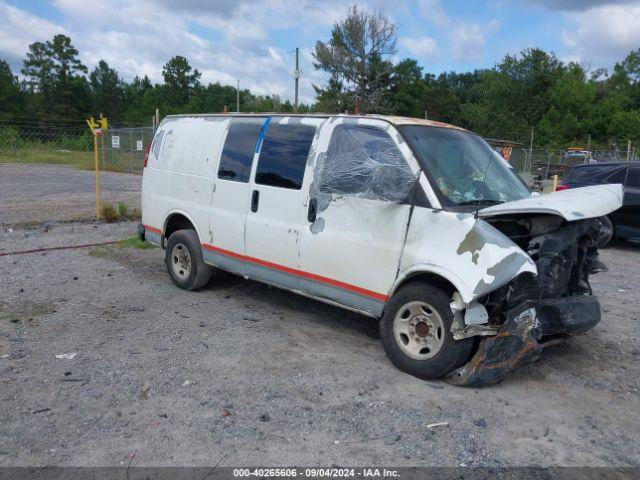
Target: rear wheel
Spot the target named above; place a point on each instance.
(415, 332)
(183, 259)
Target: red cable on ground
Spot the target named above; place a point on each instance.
(66, 247)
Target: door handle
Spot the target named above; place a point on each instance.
(255, 196)
(313, 210)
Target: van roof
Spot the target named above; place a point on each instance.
(395, 120)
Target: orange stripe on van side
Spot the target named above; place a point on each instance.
(152, 229)
(299, 273)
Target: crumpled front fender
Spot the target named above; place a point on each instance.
(470, 253)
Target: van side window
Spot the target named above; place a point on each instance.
(238, 150)
(283, 155)
(633, 177)
(364, 161)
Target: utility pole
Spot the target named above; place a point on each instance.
(238, 97)
(296, 76)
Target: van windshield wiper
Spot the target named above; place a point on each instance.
(482, 201)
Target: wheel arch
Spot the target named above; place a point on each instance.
(178, 220)
(436, 278)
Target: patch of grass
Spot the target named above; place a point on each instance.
(108, 213)
(81, 159)
(123, 210)
(131, 242)
(135, 242)
(99, 252)
(121, 162)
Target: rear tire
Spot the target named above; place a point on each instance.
(183, 259)
(416, 332)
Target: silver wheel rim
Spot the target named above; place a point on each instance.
(180, 261)
(418, 330)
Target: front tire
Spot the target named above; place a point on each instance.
(183, 259)
(416, 332)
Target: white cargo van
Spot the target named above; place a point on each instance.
(417, 223)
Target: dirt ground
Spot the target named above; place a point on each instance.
(245, 374)
(35, 193)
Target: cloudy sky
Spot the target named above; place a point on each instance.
(254, 40)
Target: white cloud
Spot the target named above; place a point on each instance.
(19, 29)
(434, 12)
(137, 38)
(467, 39)
(604, 34)
(577, 5)
(421, 47)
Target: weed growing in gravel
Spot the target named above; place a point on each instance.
(108, 212)
(134, 242)
(121, 212)
(99, 252)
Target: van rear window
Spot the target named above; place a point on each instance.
(238, 150)
(284, 153)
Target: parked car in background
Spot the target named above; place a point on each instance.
(624, 222)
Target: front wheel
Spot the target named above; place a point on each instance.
(183, 258)
(416, 332)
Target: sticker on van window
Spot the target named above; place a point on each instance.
(167, 146)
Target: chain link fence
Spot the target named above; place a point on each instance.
(538, 166)
(47, 169)
(47, 172)
(124, 149)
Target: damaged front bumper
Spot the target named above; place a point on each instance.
(521, 337)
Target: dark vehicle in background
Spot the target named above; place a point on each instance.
(624, 222)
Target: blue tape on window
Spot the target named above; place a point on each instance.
(263, 132)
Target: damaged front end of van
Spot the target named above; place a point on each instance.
(518, 264)
(514, 320)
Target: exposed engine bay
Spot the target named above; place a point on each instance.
(565, 254)
(531, 310)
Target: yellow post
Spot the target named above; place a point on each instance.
(93, 126)
(555, 183)
(97, 166)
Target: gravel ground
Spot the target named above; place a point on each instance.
(245, 374)
(32, 193)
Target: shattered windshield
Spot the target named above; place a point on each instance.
(456, 162)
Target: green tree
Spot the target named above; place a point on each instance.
(179, 80)
(357, 58)
(11, 96)
(55, 74)
(107, 91)
(38, 72)
(408, 89)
